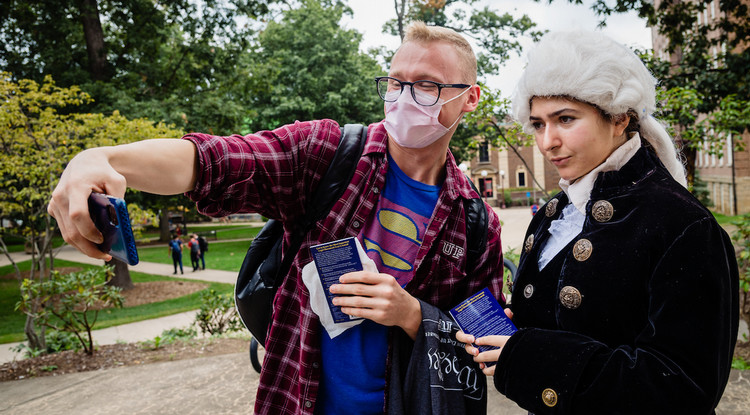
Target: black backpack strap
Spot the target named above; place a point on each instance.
(331, 187)
(476, 227)
(339, 175)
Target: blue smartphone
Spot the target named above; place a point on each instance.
(110, 215)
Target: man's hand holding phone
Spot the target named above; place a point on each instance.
(87, 172)
(110, 215)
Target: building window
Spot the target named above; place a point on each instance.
(521, 178)
(484, 153)
(485, 186)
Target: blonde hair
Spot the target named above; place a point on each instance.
(421, 33)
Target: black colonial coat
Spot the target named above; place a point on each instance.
(640, 319)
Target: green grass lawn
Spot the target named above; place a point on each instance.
(16, 244)
(223, 232)
(12, 322)
(226, 256)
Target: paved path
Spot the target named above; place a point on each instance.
(209, 385)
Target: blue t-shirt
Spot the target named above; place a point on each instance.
(353, 363)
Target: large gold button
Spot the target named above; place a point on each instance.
(549, 397)
(529, 243)
(551, 208)
(582, 250)
(602, 211)
(570, 297)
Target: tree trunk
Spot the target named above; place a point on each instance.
(690, 154)
(122, 275)
(400, 12)
(34, 340)
(164, 235)
(92, 30)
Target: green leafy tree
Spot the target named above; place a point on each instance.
(36, 141)
(180, 61)
(70, 303)
(497, 34)
(307, 66)
(694, 131)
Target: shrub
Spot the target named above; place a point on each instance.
(217, 314)
(70, 303)
(741, 236)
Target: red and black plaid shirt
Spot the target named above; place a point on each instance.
(273, 173)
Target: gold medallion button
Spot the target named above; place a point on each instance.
(582, 250)
(549, 397)
(551, 208)
(528, 291)
(602, 211)
(529, 243)
(570, 297)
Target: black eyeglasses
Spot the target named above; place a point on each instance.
(429, 90)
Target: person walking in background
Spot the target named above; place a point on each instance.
(627, 290)
(203, 245)
(195, 252)
(175, 249)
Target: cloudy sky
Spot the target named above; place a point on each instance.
(369, 16)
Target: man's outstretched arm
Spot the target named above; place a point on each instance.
(160, 166)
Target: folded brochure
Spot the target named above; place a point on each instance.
(332, 260)
(481, 315)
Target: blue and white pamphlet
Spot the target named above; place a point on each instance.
(481, 315)
(332, 260)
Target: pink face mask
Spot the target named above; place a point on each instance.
(412, 125)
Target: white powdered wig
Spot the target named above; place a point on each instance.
(592, 68)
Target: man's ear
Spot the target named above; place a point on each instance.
(471, 103)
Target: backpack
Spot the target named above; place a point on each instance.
(203, 243)
(265, 265)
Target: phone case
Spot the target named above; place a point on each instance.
(110, 215)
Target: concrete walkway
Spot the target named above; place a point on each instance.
(219, 384)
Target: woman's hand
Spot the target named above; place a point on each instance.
(483, 358)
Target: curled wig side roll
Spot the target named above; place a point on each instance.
(656, 135)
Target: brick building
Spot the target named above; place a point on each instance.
(502, 171)
(727, 176)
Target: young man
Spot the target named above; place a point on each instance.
(195, 252)
(404, 204)
(203, 245)
(175, 249)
